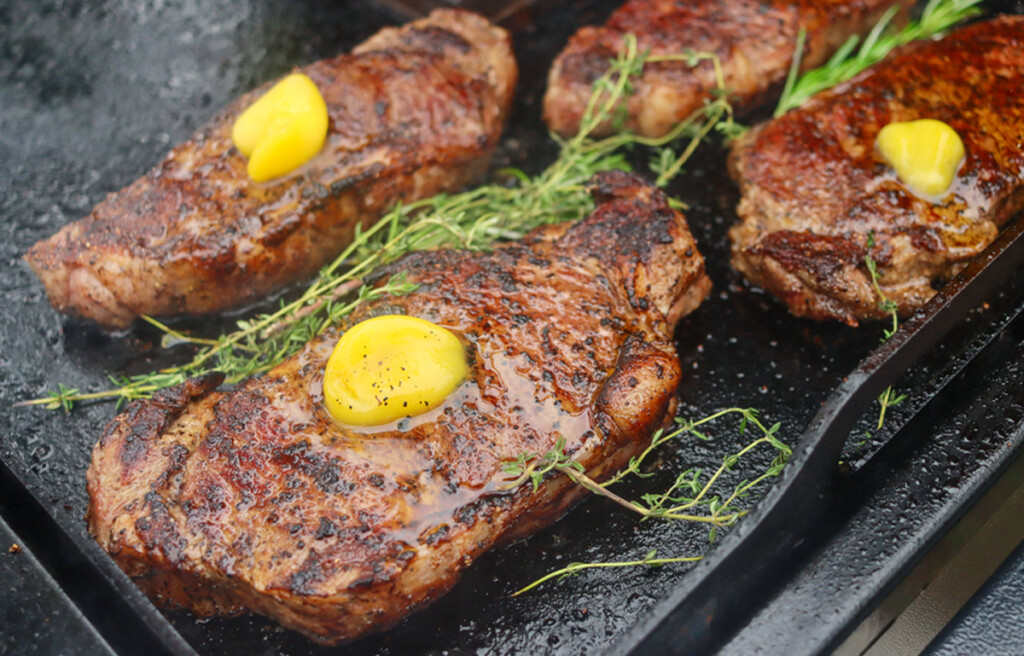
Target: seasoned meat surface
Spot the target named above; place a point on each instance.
(256, 500)
(814, 187)
(412, 111)
(754, 39)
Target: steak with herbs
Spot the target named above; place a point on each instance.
(815, 190)
(754, 40)
(413, 111)
(256, 500)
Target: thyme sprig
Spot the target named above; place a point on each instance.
(650, 559)
(687, 495)
(888, 398)
(473, 219)
(938, 16)
(885, 304)
(690, 497)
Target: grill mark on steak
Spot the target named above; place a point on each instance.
(159, 533)
(813, 186)
(145, 423)
(754, 39)
(413, 111)
(336, 531)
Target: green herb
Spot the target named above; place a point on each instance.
(473, 219)
(649, 560)
(533, 467)
(692, 496)
(938, 16)
(888, 398)
(885, 304)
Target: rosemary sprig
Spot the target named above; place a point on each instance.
(938, 16)
(888, 398)
(690, 497)
(473, 219)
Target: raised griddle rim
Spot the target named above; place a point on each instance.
(98, 587)
(718, 591)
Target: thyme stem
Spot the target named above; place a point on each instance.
(888, 398)
(575, 568)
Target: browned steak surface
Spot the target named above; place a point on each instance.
(814, 186)
(256, 500)
(754, 40)
(412, 111)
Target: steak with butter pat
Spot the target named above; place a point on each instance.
(255, 500)
(412, 112)
(815, 188)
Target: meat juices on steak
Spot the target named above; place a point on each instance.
(413, 111)
(754, 39)
(814, 187)
(256, 500)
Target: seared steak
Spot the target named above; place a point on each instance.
(754, 39)
(413, 111)
(256, 500)
(814, 187)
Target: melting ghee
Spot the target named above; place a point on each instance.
(282, 130)
(925, 154)
(390, 367)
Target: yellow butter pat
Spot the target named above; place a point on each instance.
(282, 130)
(925, 154)
(390, 367)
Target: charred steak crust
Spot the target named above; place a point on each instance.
(814, 187)
(256, 500)
(412, 111)
(754, 39)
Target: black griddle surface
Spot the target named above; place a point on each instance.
(93, 94)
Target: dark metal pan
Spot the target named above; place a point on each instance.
(94, 93)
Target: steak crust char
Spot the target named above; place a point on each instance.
(754, 40)
(814, 187)
(413, 111)
(256, 500)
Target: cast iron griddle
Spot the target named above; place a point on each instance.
(93, 94)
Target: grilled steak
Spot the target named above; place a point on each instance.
(412, 111)
(255, 500)
(814, 187)
(754, 39)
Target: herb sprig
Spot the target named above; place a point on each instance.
(692, 496)
(938, 16)
(650, 559)
(888, 398)
(473, 219)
